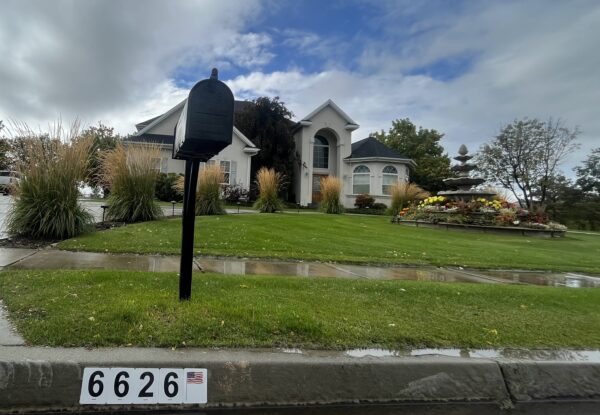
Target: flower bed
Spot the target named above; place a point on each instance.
(514, 230)
(479, 214)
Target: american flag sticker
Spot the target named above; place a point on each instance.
(195, 385)
(195, 377)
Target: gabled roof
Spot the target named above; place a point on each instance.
(351, 124)
(169, 139)
(144, 126)
(372, 148)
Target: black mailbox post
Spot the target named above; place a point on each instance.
(203, 130)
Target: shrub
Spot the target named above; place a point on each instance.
(233, 193)
(331, 188)
(364, 201)
(268, 182)
(403, 194)
(131, 176)
(208, 192)
(165, 187)
(379, 206)
(51, 167)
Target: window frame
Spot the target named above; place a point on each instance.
(385, 175)
(324, 147)
(364, 173)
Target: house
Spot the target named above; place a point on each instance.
(324, 145)
(234, 159)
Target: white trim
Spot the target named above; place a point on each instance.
(160, 119)
(384, 159)
(242, 137)
(330, 103)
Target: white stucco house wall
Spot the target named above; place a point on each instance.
(235, 159)
(324, 147)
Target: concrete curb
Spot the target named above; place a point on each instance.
(45, 379)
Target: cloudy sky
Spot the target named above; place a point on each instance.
(464, 68)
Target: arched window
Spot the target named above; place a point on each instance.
(321, 153)
(361, 180)
(390, 176)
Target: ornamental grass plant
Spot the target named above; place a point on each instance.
(331, 189)
(403, 194)
(208, 190)
(51, 167)
(268, 182)
(130, 173)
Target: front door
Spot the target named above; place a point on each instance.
(316, 187)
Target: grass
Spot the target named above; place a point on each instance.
(269, 183)
(208, 196)
(117, 308)
(331, 188)
(350, 239)
(131, 176)
(51, 166)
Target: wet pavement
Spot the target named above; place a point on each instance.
(56, 259)
(565, 355)
(8, 335)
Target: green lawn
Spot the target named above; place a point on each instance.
(116, 308)
(347, 238)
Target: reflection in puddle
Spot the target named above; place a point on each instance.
(317, 269)
(561, 355)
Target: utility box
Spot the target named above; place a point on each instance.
(205, 126)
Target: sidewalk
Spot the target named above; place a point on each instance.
(50, 258)
(279, 381)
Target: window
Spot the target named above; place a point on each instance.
(161, 165)
(321, 153)
(156, 162)
(361, 180)
(226, 168)
(390, 176)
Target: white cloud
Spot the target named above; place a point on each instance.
(114, 61)
(96, 58)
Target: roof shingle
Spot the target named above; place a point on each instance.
(371, 147)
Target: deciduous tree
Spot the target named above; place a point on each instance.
(525, 157)
(423, 146)
(268, 124)
(588, 175)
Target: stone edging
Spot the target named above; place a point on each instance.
(506, 230)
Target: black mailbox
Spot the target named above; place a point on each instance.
(206, 122)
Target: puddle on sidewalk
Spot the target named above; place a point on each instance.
(314, 269)
(570, 280)
(521, 354)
